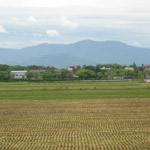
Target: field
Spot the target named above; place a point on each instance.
(75, 116)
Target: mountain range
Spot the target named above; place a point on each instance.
(86, 52)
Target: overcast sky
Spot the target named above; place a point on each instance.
(30, 22)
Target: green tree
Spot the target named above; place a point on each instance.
(48, 76)
(66, 75)
(106, 75)
(130, 74)
(29, 75)
(86, 74)
(99, 75)
(141, 75)
(4, 76)
(17, 68)
(4, 67)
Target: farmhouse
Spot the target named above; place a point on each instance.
(18, 74)
(104, 68)
(129, 68)
(147, 72)
(73, 69)
(146, 67)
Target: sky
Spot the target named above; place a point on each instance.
(31, 22)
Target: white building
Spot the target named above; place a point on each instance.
(129, 68)
(18, 74)
(104, 68)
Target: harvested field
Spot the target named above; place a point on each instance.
(75, 124)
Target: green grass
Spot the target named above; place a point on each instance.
(73, 90)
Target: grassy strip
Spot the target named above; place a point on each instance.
(72, 88)
(71, 82)
(73, 91)
(72, 95)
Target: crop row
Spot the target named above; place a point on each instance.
(75, 125)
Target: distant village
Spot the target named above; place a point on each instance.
(86, 72)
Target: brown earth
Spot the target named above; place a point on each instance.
(122, 124)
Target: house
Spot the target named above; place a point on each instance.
(129, 68)
(147, 80)
(147, 71)
(104, 68)
(146, 67)
(73, 69)
(18, 74)
(118, 78)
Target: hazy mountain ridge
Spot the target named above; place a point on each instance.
(79, 53)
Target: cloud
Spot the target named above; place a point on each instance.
(2, 30)
(17, 21)
(23, 21)
(56, 3)
(52, 33)
(46, 3)
(68, 24)
(37, 34)
(127, 21)
(32, 19)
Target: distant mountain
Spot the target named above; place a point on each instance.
(86, 52)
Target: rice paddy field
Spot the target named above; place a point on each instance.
(75, 116)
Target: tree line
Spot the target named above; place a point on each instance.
(87, 72)
(111, 71)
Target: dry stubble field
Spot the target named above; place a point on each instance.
(101, 123)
